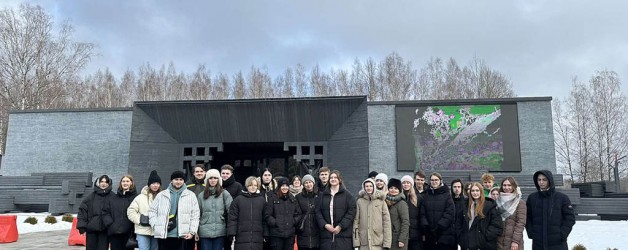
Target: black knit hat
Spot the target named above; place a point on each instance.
(154, 177)
(281, 181)
(372, 174)
(177, 174)
(395, 183)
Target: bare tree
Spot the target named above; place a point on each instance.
(300, 81)
(201, 84)
(239, 88)
(221, 88)
(562, 137)
(396, 77)
(580, 114)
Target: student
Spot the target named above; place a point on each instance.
(234, 188)
(437, 215)
(381, 182)
(94, 216)
(371, 225)
(121, 228)
(460, 201)
(246, 217)
(307, 229)
(483, 221)
(282, 214)
(550, 215)
(197, 184)
(415, 237)
(513, 213)
(268, 185)
(335, 214)
(296, 187)
(399, 217)
(419, 182)
(494, 193)
(323, 178)
(488, 182)
(214, 204)
(174, 215)
(372, 175)
(138, 212)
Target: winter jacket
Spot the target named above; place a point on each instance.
(513, 228)
(483, 232)
(246, 221)
(307, 236)
(282, 215)
(344, 210)
(459, 220)
(437, 216)
(371, 225)
(400, 220)
(232, 186)
(187, 214)
(95, 211)
(213, 222)
(119, 205)
(139, 206)
(414, 213)
(550, 216)
(196, 186)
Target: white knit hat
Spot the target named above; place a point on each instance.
(408, 179)
(383, 177)
(213, 173)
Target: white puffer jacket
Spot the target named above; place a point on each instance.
(139, 206)
(188, 214)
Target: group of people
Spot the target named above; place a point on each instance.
(213, 211)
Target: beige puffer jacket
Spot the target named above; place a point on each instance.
(140, 206)
(371, 225)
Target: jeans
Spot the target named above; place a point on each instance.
(147, 242)
(212, 243)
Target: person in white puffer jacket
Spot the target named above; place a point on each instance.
(177, 206)
(139, 208)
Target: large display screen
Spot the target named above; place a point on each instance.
(458, 137)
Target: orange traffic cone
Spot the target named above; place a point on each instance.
(76, 238)
(8, 228)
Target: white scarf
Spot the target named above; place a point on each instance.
(508, 202)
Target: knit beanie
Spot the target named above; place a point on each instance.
(373, 174)
(383, 177)
(395, 183)
(408, 179)
(308, 177)
(213, 173)
(282, 181)
(177, 174)
(154, 177)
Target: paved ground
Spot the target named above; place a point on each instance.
(40, 241)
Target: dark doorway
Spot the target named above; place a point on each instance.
(248, 159)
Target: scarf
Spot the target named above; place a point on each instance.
(508, 202)
(392, 200)
(296, 190)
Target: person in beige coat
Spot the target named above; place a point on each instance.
(513, 212)
(139, 208)
(371, 225)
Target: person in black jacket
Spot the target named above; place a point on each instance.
(483, 223)
(94, 216)
(197, 184)
(121, 228)
(234, 188)
(246, 217)
(437, 215)
(336, 230)
(460, 201)
(323, 178)
(282, 215)
(307, 229)
(415, 240)
(550, 216)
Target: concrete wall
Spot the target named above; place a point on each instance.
(64, 141)
(535, 134)
(348, 149)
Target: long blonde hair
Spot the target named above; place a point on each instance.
(479, 208)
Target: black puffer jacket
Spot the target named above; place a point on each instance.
(282, 215)
(232, 186)
(550, 216)
(95, 210)
(483, 231)
(119, 205)
(415, 214)
(459, 219)
(246, 221)
(308, 236)
(437, 216)
(344, 213)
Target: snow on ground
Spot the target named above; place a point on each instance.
(593, 234)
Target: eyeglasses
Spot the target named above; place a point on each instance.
(215, 178)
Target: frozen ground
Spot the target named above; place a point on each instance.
(592, 234)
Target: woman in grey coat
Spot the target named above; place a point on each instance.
(214, 203)
(399, 217)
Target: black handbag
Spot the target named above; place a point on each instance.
(144, 221)
(131, 242)
(172, 222)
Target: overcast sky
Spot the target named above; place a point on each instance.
(540, 45)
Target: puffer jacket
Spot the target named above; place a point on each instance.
(232, 186)
(399, 219)
(246, 221)
(196, 186)
(213, 211)
(119, 205)
(371, 226)
(483, 232)
(139, 206)
(415, 219)
(513, 228)
(187, 214)
(282, 215)
(550, 216)
(437, 216)
(307, 237)
(344, 213)
(95, 210)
